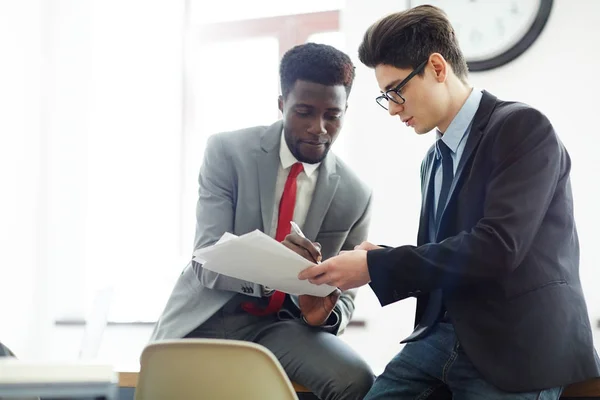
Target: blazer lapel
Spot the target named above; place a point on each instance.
(482, 116)
(268, 167)
(426, 199)
(472, 142)
(325, 189)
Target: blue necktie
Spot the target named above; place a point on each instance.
(447, 178)
(434, 306)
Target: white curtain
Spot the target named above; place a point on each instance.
(21, 213)
(90, 161)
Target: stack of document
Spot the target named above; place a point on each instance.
(258, 258)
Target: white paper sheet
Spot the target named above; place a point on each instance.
(258, 258)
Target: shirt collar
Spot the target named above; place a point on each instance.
(458, 128)
(288, 159)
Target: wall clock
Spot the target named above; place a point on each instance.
(492, 33)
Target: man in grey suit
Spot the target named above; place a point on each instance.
(500, 308)
(261, 178)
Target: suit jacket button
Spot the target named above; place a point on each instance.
(247, 289)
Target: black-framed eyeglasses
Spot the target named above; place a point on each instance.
(394, 94)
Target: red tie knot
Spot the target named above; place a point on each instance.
(296, 169)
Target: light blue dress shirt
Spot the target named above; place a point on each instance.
(455, 138)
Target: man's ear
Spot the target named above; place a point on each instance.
(440, 67)
(280, 103)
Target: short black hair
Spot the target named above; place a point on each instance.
(406, 39)
(317, 63)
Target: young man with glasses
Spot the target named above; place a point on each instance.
(264, 178)
(500, 308)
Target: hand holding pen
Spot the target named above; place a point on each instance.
(298, 242)
(315, 310)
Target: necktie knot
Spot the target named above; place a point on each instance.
(296, 169)
(444, 150)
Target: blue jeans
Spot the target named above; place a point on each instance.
(426, 366)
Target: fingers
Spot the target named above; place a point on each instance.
(312, 272)
(362, 246)
(323, 279)
(298, 250)
(366, 246)
(304, 247)
(319, 248)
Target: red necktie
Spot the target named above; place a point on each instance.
(286, 213)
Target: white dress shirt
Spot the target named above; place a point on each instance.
(306, 183)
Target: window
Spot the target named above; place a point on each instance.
(233, 79)
(123, 169)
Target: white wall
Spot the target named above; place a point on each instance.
(134, 153)
(20, 158)
(557, 75)
(90, 161)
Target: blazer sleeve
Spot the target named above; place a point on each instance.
(527, 160)
(215, 213)
(344, 308)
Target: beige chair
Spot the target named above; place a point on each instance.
(129, 380)
(211, 369)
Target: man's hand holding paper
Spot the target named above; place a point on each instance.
(258, 258)
(315, 309)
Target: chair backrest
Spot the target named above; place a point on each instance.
(211, 369)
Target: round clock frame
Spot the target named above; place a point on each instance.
(519, 47)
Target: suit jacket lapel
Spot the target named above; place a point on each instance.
(268, 167)
(426, 200)
(472, 142)
(482, 116)
(325, 189)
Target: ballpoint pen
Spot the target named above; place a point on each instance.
(298, 232)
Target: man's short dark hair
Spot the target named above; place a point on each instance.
(317, 63)
(406, 39)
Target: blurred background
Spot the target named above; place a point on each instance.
(105, 107)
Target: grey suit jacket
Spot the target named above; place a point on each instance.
(237, 195)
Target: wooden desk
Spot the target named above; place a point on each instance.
(128, 379)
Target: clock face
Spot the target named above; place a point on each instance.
(493, 32)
